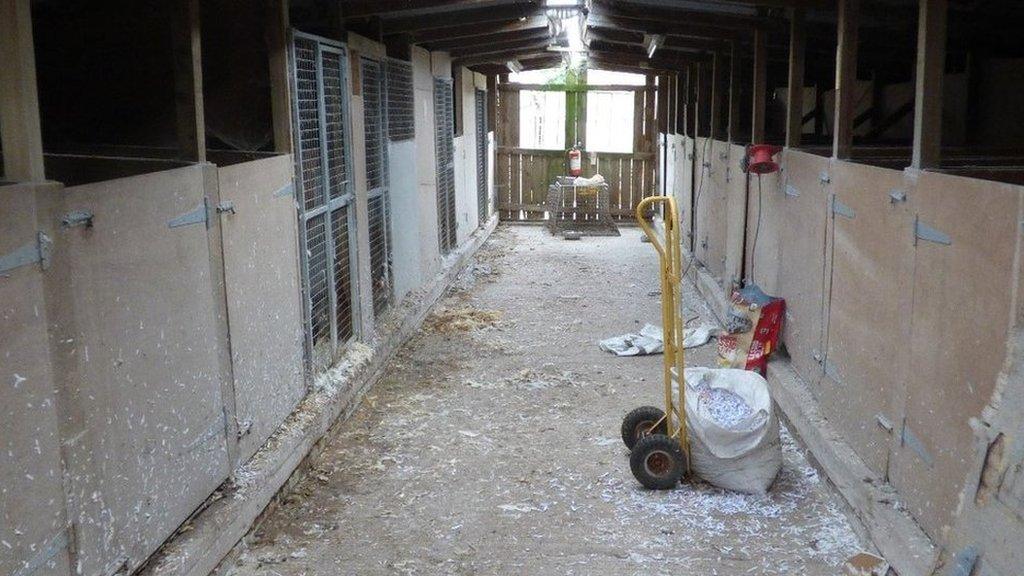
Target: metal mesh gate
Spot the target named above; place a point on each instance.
(401, 108)
(375, 119)
(325, 191)
(444, 147)
(483, 196)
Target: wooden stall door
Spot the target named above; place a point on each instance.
(261, 269)
(141, 351)
(867, 309)
(33, 525)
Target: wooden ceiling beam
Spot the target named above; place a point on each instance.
(686, 17)
(392, 8)
(461, 30)
(504, 56)
(530, 45)
(489, 39)
(504, 14)
(661, 27)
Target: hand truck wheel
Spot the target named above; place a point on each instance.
(657, 462)
(641, 422)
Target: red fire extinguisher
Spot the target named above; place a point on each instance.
(575, 161)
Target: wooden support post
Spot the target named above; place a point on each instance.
(702, 120)
(662, 101)
(692, 78)
(19, 100)
(846, 79)
(931, 66)
(760, 86)
(188, 81)
(795, 101)
(277, 52)
(732, 130)
(716, 95)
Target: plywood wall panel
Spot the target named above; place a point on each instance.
(140, 361)
(702, 183)
(803, 271)
(962, 313)
(684, 192)
(870, 276)
(736, 216)
(715, 198)
(765, 210)
(32, 512)
(261, 268)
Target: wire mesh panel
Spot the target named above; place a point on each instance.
(377, 182)
(308, 153)
(380, 254)
(334, 124)
(401, 108)
(444, 147)
(341, 229)
(482, 192)
(327, 224)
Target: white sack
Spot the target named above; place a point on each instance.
(745, 457)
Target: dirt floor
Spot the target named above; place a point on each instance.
(491, 446)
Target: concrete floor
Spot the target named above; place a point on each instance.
(491, 445)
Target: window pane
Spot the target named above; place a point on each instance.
(610, 121)
(542, 120)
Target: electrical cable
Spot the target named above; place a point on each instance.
(696, 200)
(757, 231)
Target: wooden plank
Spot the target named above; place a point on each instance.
(511, 129)
(795, 98)
(760, 85)
(277, 53)
(19, 99)
(516, 185)
(188, 81)
(519, 87)
(732, 130)
(502, 181)
(931, 64)
(638, 121)
(846, 79)
(716, 95)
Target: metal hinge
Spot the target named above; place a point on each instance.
(792, 191)
(824, 177)
(896, 196)
(37, 252)
(884, 422)
(200, 215)
(842, 209)
(226, 207)
(77, 218)
(911, 441)
(925, 232)
(286, 190)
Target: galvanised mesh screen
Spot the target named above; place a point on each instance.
(342, 273)
(334, 124)
(373, 116)
(307, 111)
(445, 153)
(380, 252)
(401, 106)
(318, 267)
(320, 102)
(482, 196)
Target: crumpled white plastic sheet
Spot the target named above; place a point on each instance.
(651, 340)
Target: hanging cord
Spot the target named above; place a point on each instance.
(696, 200)
(757, 231)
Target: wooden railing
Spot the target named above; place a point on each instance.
(522, 177)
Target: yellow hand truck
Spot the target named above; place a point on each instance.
(659, 450)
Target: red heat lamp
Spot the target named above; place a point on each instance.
(759, 158)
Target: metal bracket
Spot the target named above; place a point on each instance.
(200, 215)
(824, 177)
(896, 196)
(226, 206)
(842, 209)
(925, 232)
(792, 191)
(77, 218)
(56, 544)
(912, 441)
(964, 562)
(286, 190)
(884, 422)
(37, 252)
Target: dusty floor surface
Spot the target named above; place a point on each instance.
(492, 445)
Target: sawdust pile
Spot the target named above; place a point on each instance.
(461, 319)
